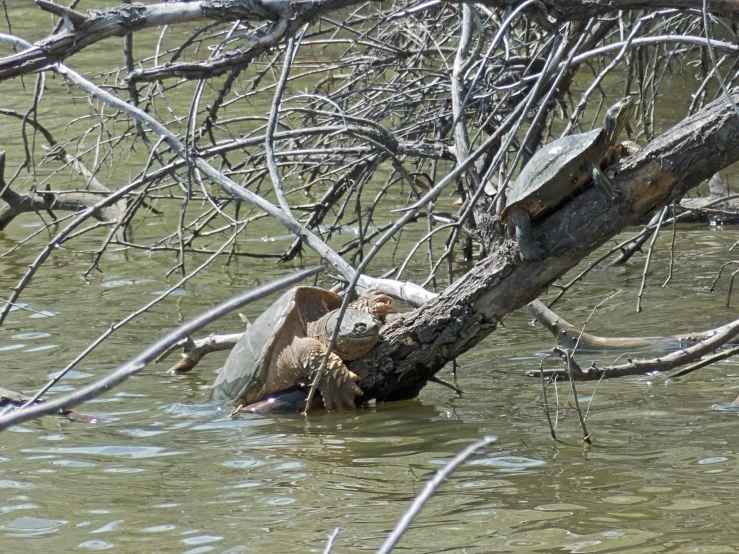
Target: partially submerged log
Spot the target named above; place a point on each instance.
(676, 359)
(419, 343)
(720, 206)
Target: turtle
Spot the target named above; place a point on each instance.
(559, 169)
(287, 342)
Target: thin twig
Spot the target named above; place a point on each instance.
(546, 402)
(672, 247)
(427, 492)
(330, 541)
(586, 435)
(649, 259)
(274, 116)
(731, 286)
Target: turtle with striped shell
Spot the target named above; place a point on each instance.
(558, 169)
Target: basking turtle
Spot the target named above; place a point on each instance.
(558, 170)
(286, 344)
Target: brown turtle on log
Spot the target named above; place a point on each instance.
(287, 343)
(559, 169)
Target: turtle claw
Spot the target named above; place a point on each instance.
(376, 303)
(604, 185)
(531, 252)
(338, 386)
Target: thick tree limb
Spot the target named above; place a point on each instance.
(117, 22)
(99, 25)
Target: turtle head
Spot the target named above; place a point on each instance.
(358, 333)
(617, 117)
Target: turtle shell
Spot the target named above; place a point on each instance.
(244, 377)
(553, 173)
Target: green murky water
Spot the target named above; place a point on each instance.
(167, 473)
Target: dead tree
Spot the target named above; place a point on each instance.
(421, 101)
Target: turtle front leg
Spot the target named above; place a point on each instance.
(527, 245)
(374, 302)
(602, 182)
(618, 152)
(337, 384)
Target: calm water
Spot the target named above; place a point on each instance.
(165, 472)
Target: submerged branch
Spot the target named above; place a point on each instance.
(567, 335)
(11, 400)
(712, 340)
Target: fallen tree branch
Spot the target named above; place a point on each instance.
(707, 361)
(85, 29)
(419, 343)
(568, 335)
(228, 185)
(676, 359)
(234, 189)
(18, 204)
(112, 213)
(97, 25)
(630, 246)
